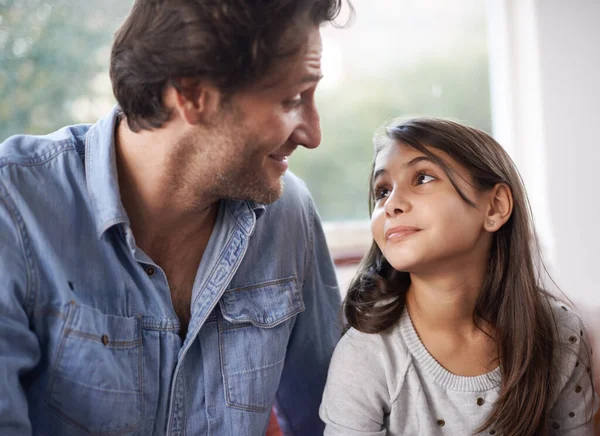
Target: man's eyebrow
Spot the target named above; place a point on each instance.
(275, 81)
(381, 171)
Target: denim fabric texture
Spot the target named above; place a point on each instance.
(89, 341)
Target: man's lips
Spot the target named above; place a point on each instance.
(279, 157)
(280, 161)
(282, 154)
(400, 231)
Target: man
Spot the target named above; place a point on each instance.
(160, 274)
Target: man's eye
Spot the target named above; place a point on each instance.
(294, 102)
(424, 178)
(381, 193)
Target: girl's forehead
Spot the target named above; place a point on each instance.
(397, 152)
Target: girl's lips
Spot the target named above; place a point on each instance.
(400, 232)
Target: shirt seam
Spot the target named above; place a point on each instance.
(26, 251)
(399, 382)
(64, 145)
(309, 261)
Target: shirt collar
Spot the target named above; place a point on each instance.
(101, 173)
(257, 208)
(246, 213)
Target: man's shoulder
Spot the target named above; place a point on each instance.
(294, 189)
(34, 169)
(27, 150)
(296, 197)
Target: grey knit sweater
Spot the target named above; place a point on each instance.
(389, 384)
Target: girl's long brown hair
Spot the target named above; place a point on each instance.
(512, 299)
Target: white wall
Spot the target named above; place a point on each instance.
(570, 65)
(545, 63)
(545, 76)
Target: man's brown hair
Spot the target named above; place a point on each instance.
(229, 42)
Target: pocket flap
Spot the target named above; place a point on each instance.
(264, 304)
(110, 331)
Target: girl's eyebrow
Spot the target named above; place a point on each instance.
(381, 171)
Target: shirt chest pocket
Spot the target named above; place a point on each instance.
(254, 328)
(96, 380)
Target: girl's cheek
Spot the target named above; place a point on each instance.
(377, 223)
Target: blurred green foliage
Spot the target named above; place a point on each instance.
(337, 172)
(52, 52)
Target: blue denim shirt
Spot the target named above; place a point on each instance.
(89, 339)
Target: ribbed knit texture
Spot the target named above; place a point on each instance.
(388, 384)
(440, 375)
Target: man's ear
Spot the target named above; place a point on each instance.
(194, 100)
(499, 207)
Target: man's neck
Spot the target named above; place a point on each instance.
(161, 207)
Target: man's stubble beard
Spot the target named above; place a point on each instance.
(245, 184)
(243, 176)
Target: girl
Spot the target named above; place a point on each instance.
(451, 331)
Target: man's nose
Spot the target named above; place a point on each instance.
(308, 133)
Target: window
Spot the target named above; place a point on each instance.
(425, 57)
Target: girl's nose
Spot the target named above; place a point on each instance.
(396, 204)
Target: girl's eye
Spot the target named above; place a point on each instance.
(381, 193)
(424, 178)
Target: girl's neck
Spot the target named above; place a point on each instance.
(441, 312)
(444, 303)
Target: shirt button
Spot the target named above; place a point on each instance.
(105, 339)
(555, 425)
(480, 401)
(441, 422)
(150, 271)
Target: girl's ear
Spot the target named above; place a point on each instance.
(499, 208)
